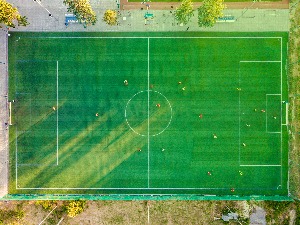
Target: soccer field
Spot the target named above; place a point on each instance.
(201, 114)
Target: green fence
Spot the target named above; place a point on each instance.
(146, 197)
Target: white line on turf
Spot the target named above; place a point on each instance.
(260, 165)
(155, 37)
(239, 116)
(148, 108)
(69, 188)
(281, 105)
(286, 114)
(128, 123)
(148, 78)
(266, 113)
(260, 61)
(56, 112)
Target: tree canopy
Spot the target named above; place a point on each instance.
(83, 11)
(184, 12)
(75, 207)
(10, 15)
(209, 12)
(110, 17)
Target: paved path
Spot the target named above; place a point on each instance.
(284, 4)
(249, 17)
(3, 115)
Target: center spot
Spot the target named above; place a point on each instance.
(148, 113)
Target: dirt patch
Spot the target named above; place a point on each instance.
(293, 216)
(160, 212)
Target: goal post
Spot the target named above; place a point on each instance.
(9, 106)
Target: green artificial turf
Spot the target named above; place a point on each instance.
(133, 146)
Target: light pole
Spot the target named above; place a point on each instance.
(39, 2)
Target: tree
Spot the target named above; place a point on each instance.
(110, 17)
(9, 15)
(83, 11)
(209, 12)
(184, 12)
(75, 207)
(47, 204)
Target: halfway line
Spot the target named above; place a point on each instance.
(56, 112)
(148, 117)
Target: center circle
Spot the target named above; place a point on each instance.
(148, 113)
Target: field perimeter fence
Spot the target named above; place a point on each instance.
(144, 197)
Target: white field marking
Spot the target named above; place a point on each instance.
(260, 165)
(286, 114)
(260, 61)
(273, 94)
(266, 113)
(148, 134)
(56, 112)
(125, 114)
(17, 142)
(124, 189)
(155, 37)
(239, 117)
(148, 89)
(281, 107)
(170, 113)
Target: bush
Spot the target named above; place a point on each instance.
(9, 15)
(83, 11)
(110, 17)
(47, 204)
(75, 207)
